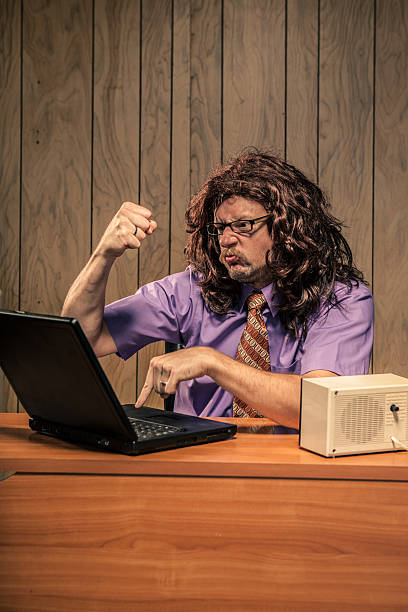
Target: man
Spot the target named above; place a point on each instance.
(257, 225)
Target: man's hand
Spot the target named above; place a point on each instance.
(131, 224)
(166, 371)
(273, 395)
(86, 298)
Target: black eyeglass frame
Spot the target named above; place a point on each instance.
(222, 226)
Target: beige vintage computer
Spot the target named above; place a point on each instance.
(348, 415)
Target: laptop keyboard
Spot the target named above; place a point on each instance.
(146, 430)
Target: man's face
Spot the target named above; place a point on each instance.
(244, 254)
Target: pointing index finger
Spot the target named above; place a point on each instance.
(146, 390)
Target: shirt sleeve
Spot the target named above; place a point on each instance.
(157, 311)
(341, 338)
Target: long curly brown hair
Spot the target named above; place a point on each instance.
(308, 251)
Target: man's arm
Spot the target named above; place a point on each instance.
(86, 298)
(276, 396)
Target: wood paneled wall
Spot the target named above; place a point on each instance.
(108, 100)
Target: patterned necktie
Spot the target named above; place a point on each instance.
(253, 348)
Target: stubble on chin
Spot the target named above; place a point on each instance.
(249, 274)
(244, 274)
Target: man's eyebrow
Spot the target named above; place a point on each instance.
(222, 222)
(243, 218)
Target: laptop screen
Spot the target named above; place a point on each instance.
(55, 373)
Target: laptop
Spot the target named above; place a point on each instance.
(62, 386)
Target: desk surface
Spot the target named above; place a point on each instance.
(257, 455)
(248, 524)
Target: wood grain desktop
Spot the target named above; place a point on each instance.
(253, 523)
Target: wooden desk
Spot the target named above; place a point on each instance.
(252, 523)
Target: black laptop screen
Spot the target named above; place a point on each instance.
(55, 373)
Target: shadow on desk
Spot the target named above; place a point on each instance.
(263, 428)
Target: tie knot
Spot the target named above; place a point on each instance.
(256, 300)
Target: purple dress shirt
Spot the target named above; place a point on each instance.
(172, 309)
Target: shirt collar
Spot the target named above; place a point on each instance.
(269, 293)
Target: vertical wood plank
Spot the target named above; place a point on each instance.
(391, 188)
(180, 147)
(254, 75)
(206, 78)
(10, 27)
(155, 134)
(116, 150)
(302, 85)
(56, 149)
(155, 153)
(346, 119)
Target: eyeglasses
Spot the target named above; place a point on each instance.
(242, 226)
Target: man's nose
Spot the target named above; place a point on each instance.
(228, 238)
